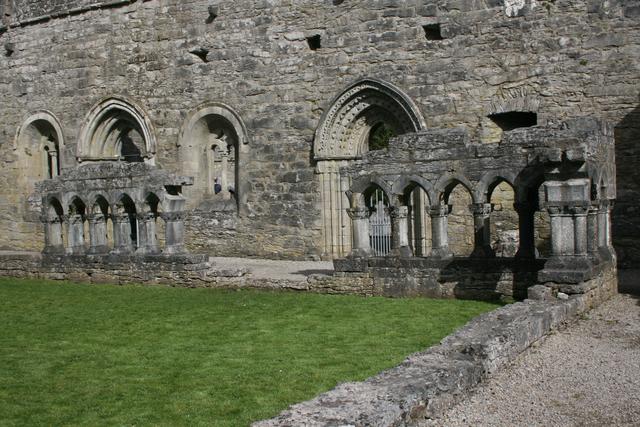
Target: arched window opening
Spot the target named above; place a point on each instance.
(100, 227)
(148, 226)
(125, 225)
(76, 226)
(361, 118)
(39, 143)
(504, 220)
(460, 228)
(419, 223)
(212, 144)
(379, 136)
(116, 130)
(54, 236)
(379, 221)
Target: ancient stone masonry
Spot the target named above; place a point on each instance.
(272, 99)
(567, 170)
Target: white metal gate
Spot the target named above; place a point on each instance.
(379, 224)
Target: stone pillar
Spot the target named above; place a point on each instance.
(439, 232)
(526, 230)
(75, 230)
(53, 162)
(98, 234)
(53, 242)
(592, 230)
(360, 226)
(482, 230)
(400, 231)
(122, 243)
(174, 232)
(562, 232)
(147, 239)
(579, 214)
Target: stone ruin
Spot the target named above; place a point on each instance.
(116, 142)
(567, 170)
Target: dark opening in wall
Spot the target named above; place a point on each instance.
(200, 53)
(213, 10)
(8, 49)
(379, 136)
(337, 2)
(432, 32)
(314, 42)
(514, 119)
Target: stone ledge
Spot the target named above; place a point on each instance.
(429, 382)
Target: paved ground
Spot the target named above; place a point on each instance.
(585, 375)
(275, 269)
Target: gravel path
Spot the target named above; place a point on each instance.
(585, 375)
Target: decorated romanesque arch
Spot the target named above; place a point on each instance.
(342, 137)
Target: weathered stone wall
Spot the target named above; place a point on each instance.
(560, 59)
(427, 383)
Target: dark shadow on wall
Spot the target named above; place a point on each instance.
(626, 212)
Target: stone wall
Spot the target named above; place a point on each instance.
(459, 61)
(427, 383)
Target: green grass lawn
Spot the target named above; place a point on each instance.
(127, 355)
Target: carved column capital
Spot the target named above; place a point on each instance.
(172, 216)
(146, 216)
(96, 218)
(440, 210)
(359, 213)
(481, 209)
(398, 212)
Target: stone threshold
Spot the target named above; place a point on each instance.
(427, 383)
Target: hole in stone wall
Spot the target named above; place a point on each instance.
(213, 13)
(9, 48)
(432, 32)
(514, 119)
(201, 53)
(314, 42)
(173, 190)
(337, 2)
(379, 136)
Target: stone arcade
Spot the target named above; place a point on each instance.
(152, 135)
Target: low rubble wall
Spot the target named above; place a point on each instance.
(427, 383)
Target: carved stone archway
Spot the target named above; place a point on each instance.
(342, 136)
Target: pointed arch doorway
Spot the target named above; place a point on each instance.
(362, 117)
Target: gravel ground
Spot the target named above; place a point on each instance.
(587, 374)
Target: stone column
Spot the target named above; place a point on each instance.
(400, 231)
(360, 226)
(439, 232)
(98, 234)
(592, 230)
(75, 230)
(122, 243)
(53, 162)
(147, 239)
(526, 230)
(482, 230)
(562, 232)
(53, 242)
(579, 214)
(174, 232)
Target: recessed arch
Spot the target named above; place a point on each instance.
(351, 115)
(39, 142)
(447, 183)
(343, 134)
(117, 129)
(213, 145)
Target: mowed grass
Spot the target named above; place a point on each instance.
(126, 355)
